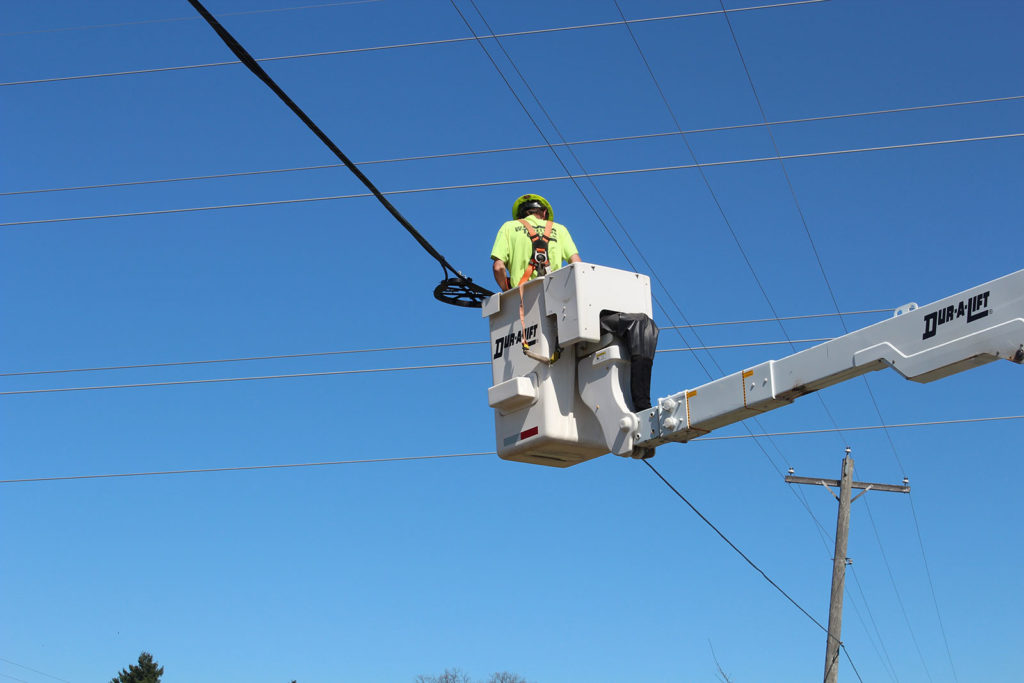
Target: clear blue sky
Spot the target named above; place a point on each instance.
(382, 571)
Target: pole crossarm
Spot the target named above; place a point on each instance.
(894, 488)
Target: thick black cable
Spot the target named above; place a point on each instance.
(253, 66)
(733, 546)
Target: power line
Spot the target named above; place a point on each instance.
(500, 150)
(242, 379)
(443, 41)
(835, 302)
(748, 560)
(318, 354)
(314, 354)
(540, 131)
(177, 19)
(576, 158)
(931, 586)
(240, 359)
(725, 219)
(243, 468)
(920, 540)
(886, 660)
(802, 432)
(786, 317)
(896, 592)
(28, 668)
(602, 174)
(715, 347)
(789, 183)
(451, 455)
(732, 545)
(474, 292)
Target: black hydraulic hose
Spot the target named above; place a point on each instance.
(253, 66)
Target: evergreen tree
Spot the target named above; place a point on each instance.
(146, 671)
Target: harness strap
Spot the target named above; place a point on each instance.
(540, 243)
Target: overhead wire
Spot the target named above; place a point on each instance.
(250, 63)
(500, 150)
(291, 375)
(874, 400)
(169, 20)
(36, 671)
(640, 251)
(896, 592)
(218, 380)
(803, 220)
(931, 584)
(424, 43)
(886, 659)
(802, 432)
(579, 163)
(456, 455)
(597, 215)
(792, 191)
(798, 495)
(413, 347)
(25, 373)
(831, 292)
(760, 571)
(243, 468)
(558, 132)
(282, 356)
(467, 364)
(520, 181)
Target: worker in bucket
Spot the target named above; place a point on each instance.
(531, 245)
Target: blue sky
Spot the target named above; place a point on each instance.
(382, 571)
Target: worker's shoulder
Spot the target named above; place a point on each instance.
(538, 225)
(510, 225)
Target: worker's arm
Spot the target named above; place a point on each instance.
(575, 258)
(501, 274)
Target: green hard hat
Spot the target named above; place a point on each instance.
(528, 198)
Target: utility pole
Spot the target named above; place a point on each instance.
(839, 561)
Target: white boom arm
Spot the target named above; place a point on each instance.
(923, 344)
(578, 407)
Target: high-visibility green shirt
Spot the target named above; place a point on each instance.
(513, 246)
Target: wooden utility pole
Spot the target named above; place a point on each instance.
(839, 561)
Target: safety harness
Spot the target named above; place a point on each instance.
(539, 262)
